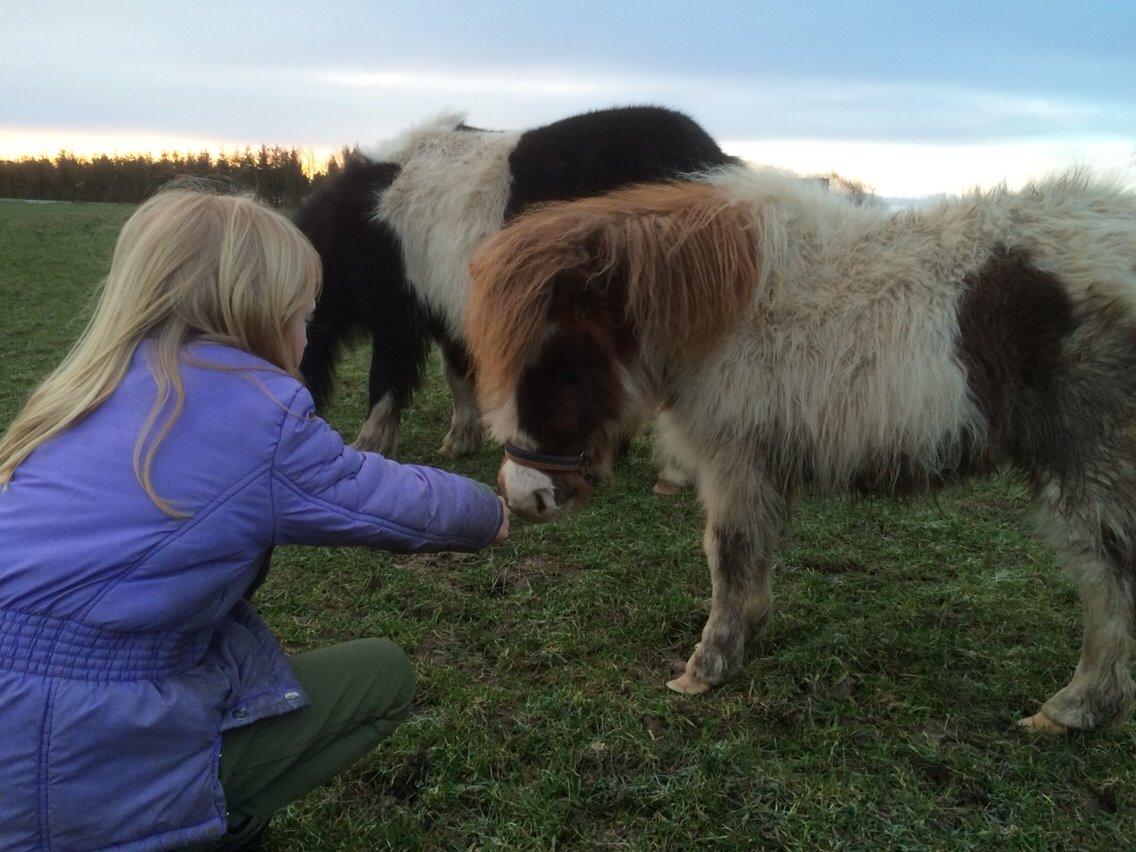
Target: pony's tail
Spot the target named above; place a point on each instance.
(336, 317)
(332, 325)
(360, 261)
(679, 261)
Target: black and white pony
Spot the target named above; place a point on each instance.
(795, 339)
(396, 229)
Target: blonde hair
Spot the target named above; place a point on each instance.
(189, 265)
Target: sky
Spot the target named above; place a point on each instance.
(912, 97)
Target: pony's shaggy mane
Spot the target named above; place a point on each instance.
(680, 257)
(447, 121)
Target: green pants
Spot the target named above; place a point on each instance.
(360, 691)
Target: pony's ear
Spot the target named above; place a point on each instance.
(686, 258)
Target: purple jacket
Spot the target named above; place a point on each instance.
(125, 645)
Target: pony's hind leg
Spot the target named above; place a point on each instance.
(1100, 554)
(742, 526)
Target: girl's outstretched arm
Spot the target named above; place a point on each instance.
(324, 492)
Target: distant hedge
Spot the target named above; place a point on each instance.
(276, 174)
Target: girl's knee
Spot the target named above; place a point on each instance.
(391, 675)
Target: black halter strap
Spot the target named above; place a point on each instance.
(546, 461)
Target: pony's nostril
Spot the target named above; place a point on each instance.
(539, 502)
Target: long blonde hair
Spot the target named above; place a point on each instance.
(189, 265)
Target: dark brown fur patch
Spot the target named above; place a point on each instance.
(570, 390)
(1117, 552)
(737, 557)
(570, 487)
(1013, 319)
(1120, 554)
(903, 476)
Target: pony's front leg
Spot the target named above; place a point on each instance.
(465, 435)
(672, 478)
(674, 474)
(738, 541)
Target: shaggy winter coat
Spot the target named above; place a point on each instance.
(795, 339)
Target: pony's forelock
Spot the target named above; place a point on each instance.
(681, 257)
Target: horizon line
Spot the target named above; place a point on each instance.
(889, 168)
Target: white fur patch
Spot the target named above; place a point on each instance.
(450, 194)
(501, 422)
(529, 492)
(389, 150)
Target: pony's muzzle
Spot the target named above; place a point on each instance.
(539, 496)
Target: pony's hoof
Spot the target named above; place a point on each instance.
(1042, 724)
(666, 488)
(379, 432)
(369, 443)
(449, 450)
(688, 684)
(454, 446)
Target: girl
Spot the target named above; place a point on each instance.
(143, 703)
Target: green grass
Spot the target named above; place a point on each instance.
(878, 712)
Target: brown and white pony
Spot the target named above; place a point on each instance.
(792, 338)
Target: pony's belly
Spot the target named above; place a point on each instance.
(834, 418)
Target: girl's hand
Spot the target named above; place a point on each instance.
(503, 533)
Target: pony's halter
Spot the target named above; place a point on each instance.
(547, 461)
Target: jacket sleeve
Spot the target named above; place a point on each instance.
(324, 492)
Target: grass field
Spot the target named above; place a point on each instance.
(878, 712)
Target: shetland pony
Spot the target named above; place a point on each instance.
(396, 228)
(795, 339)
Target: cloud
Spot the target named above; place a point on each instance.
(907, 137)
(757, 106)
(540, 84)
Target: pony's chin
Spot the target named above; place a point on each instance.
(547, 516)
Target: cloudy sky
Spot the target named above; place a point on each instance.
(914, 97)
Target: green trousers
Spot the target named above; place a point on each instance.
(360, 692)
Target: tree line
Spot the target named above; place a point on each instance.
(276, 174)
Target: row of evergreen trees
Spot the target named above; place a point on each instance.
(276, 174)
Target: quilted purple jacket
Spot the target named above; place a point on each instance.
(126, 647)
